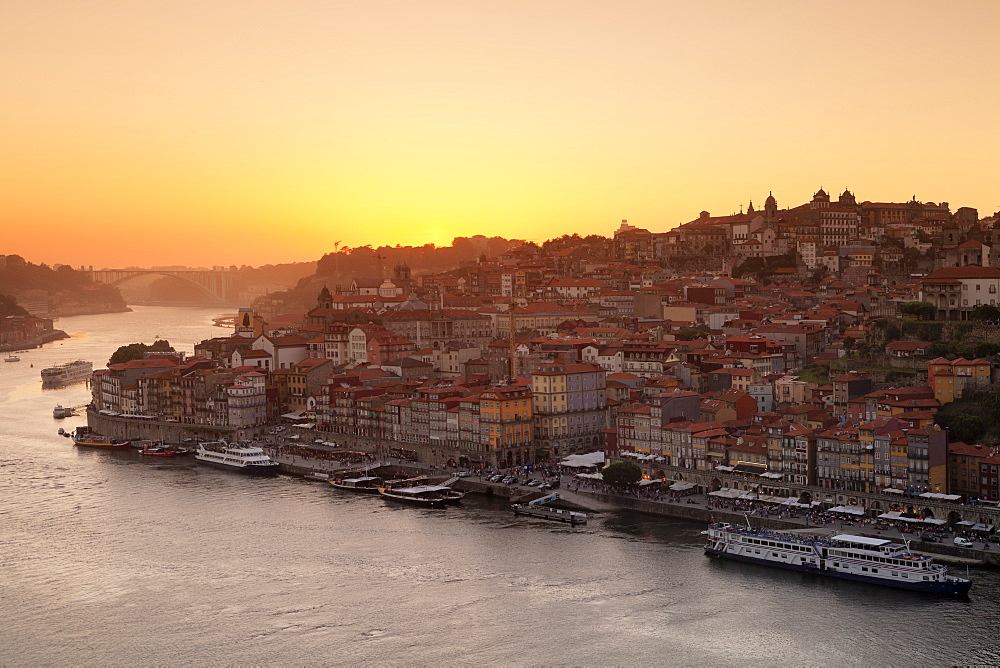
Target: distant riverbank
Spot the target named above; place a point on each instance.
(35, 341)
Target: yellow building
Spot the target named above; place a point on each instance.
(505, 424)
(948, 378)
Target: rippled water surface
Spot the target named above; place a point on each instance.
(108, 559)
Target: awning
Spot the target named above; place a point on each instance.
(890, 490)
(744, 467)
(646, 483)
(297, 415)
(590, 476)
(722, 467)
(681, 486)
(942, 497)
(981, 527)
(850, 510)
(793, 501)
(772, 476)
(586, 460)
(726, 493)
(306, 425)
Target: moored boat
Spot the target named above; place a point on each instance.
(68, 373)
(12, 358)
(248, 459)
(363, 484)
(162, 450)
(846, 556)
(428, 496)
(59, 412)
(91, 440)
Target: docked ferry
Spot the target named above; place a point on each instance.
(65, 374)
(240, 458)
(428, 496)
(846, 556)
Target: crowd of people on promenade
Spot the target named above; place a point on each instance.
(296, 452)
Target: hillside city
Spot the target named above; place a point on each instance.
(835, 344)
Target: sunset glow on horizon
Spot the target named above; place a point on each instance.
(250, 132)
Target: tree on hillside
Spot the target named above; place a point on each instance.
(923, 310)
(9, 306)
(967, 428)
(691, 333)
(622, 474)
(135, 351)
(985, 312)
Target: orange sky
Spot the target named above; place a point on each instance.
(249, 132)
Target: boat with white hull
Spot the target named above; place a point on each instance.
(428, 496)
(66, 374)
(247, 459)
(846, 556)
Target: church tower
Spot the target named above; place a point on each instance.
(325, 299)
(770, 208)
(401, 276)
(820, 200)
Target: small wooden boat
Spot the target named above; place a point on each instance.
(161, 450)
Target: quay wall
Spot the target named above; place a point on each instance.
(153, 430)
(693, 512)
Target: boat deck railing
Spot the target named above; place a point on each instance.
(766, 534)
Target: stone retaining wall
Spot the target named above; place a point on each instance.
(170, 432)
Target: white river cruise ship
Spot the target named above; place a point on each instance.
(232, 457)
(874, 560)
(65, 374)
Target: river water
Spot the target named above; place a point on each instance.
(108, 559)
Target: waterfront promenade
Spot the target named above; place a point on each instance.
(595, 497)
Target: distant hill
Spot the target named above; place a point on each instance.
(42, 289)
(350, 263)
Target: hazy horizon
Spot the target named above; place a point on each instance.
(260, 132)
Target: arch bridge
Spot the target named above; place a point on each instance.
(219, 284)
